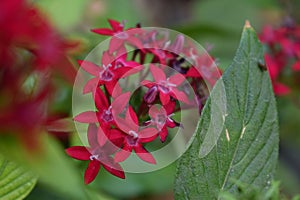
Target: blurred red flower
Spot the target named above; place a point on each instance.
(31, 51)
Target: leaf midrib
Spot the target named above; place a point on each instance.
(243, 126)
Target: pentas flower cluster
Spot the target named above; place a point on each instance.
(283, 56)
(121, 126)
(30, 52)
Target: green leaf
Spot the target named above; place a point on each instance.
(16, 182)
(240, 144)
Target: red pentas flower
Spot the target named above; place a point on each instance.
(18, 116)
(158, 45)
(104, 115)
(112, 69)
(120, 36)
(31, 51)
(161, 118)
(25, 27)
(165, 87)
(134, 137)
(120, 115)
(97, 155)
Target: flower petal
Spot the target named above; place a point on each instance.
(78, 152)
(148, 135)
(125, 71)
(91, 171)
(179, 95)
(113, 88)
(135, 42)
(272, 67)
(163, 134)
(122, 155)
(101, 100)
(91, 85)
(114, 168)
(107, 58)
(170, 107)
(115, 25)
(143, 154)
(115, 44)
(177, 79)
(117, 90)
(281, 89)
(132, 119)
(147, 83)
(122, 124)
(92, 135)
(89, 67)
(157, 73)
(119, 103)
(86, 117)
(171, 123)
(116, 137)
(296, 66)
(103, 31)
(102, 138)
(164, 98)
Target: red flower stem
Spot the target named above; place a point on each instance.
(144, 75)
(107, 95)
(135, 53)
(142, 57)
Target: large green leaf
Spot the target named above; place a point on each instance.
(236, 141)
(15, 181)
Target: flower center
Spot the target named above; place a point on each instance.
(160, 121)
(107, 115)
(165, 86)
(98, 154)
(118, 64)
(94, 157)
(106, 74)
(151, 94)
(133, 134)
(132, 138)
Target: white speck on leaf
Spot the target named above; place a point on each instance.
(243, 131)
(227, 135)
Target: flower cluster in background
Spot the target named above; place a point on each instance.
(126, 121)
(283, 56)
(31, 51)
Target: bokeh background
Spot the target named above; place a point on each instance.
(217, 25)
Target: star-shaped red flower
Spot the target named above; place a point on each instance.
(97, 155)
(134, 137)
(166, 87)
(104, 114)
(113, 68)
(161, 118)
(120, 35)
